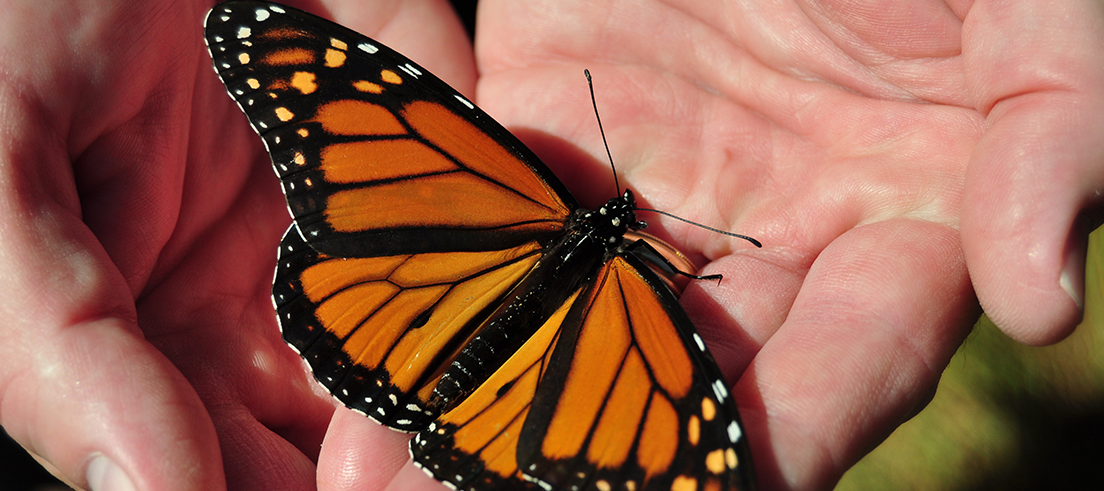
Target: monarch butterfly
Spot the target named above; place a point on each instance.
(438, 278)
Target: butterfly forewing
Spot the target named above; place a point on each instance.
(356, 131)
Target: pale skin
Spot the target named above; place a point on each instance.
(894, 160)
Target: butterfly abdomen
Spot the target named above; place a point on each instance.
(558, 276)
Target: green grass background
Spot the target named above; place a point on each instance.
(1006, 416)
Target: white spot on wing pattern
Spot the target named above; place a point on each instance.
(464, 101)
(720, 390)
(410, 70)
(734, 432)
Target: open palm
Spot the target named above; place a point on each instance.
(878, 154)
(876, 149)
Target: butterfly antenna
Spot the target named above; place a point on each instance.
(711, 229)
(609, 155)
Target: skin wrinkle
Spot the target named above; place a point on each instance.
(28, 184)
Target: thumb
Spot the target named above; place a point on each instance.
(1038, 166)
(79, 386)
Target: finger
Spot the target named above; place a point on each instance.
(81, 387)
(1038, 165)
(737, 315)
(411, 478)
(879, 316)
(257, 458)
(360, 454)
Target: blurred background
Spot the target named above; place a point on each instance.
(1005, 416)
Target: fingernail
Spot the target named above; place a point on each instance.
(1072, 279)
(105, 475)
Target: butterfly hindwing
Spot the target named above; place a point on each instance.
(615, 391)
(378, 332)
(377, 156)
(631, 395)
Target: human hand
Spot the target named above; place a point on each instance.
(879, 152)
(140, 221)
(866, 294)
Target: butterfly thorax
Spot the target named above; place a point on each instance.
(609, 222)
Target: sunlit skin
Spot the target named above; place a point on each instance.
(892, 158)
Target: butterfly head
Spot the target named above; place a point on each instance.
(612, 220)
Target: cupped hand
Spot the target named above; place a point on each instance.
(140, 219)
